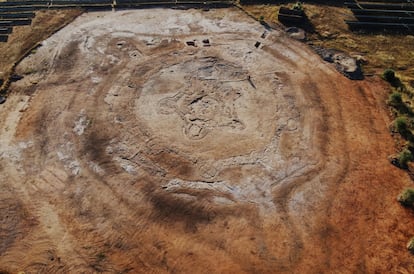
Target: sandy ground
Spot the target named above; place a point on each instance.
(165, 141)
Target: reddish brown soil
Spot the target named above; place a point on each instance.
(109, 171)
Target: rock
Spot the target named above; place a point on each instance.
(2, 99)
(344, 63)
(15, 77)
(296, 33)
(394, 160)
(326, 54)
(360, 59)
(348, 66)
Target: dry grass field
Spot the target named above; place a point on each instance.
(380, 50)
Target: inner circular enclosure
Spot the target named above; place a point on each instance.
(210, 107)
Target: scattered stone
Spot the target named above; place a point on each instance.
(344, 63)
(348, 66)
(327, 55)
(360, 59)
(2, 99)
(191, 43)
(81, 124)
(296, 33)
(257, 44)
(394, 160)
(15, 77)
(410, 245)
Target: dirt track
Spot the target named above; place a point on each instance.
(124, 149)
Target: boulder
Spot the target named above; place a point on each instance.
(394, 160)
(344, 63)
(296, 33)
(348, 66)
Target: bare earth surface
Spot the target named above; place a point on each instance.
(125, 149)
(24, 38)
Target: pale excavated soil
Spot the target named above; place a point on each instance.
(126, 150)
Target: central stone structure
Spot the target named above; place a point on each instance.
(220, 114)
(203, 107)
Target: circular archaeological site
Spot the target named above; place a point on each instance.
(195, 141)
